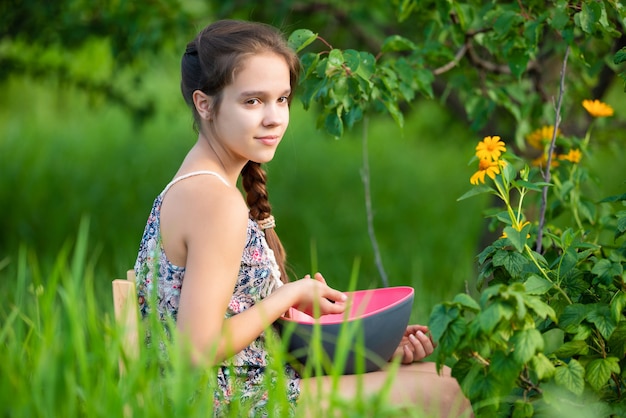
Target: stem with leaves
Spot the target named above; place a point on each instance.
(503, 189)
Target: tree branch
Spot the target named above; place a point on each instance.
(365, 177)
(546, 173)
(457, 58)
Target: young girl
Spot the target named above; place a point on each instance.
(214, 259)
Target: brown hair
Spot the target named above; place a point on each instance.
(209, 64)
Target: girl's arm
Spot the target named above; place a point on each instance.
(214, 233)
(240, 330)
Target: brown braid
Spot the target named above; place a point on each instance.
(254, 180)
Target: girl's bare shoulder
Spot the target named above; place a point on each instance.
(204, 205)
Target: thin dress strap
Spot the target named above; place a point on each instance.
(193, 173)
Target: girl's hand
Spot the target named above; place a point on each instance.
(415, 344)
(316, 298)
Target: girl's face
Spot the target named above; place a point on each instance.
(254, 112)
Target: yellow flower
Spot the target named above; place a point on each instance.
(490, 148)
(597, 109)
(543, 160)
(490, 168)
(539, 137)
(574, 156)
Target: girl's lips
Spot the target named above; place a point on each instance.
(269, 140)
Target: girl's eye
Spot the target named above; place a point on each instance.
(253, 101)
(283, 99)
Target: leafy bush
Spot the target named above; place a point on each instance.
(550, 318)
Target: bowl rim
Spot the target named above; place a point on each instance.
(341, 319)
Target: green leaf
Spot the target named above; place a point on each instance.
(617, 306)
(601, 317)
(508, 172)
(536, 187)
(517, 238)
(588, 209)
(518, 60)
(466, 301)
(335, 61)
(520, 306)
(405, 8)
(449, 341)
(589, 15)
(353, 115)
(617, 342)
(508, 369)
(621, 226)
(525, 344)
(572, 316)
(462, 368)
(542, 309)
(310, 90)
(506, 22)
(566, 188)
(572, 348)
(606, 270)
(571, 376)
(620, 197)
(537, 285)
(396, 43)
(367, 65)
(560, 18)
(333, 125)
(424, 79)
(476, 190)
(490, 317)
(522, 409)
(300, 39)
(542, 366)
(352, 59)
(478, 385)
(309, 63)
(512, 261)
(532, 31)
(620, 57)
(598, 371)
(552, 340)
(492, 292)
(394, 111)
(440, 318)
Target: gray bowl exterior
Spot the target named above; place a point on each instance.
(381, 334)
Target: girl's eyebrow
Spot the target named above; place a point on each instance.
(253, 93)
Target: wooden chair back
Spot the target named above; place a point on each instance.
(126, 315)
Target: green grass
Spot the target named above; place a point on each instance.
(60, 354)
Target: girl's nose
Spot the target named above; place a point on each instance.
(275, 114)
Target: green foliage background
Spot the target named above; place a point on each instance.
(64, 157)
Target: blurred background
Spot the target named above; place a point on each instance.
(92, 127)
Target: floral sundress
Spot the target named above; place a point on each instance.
(243, 377)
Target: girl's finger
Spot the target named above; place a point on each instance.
(425, 342)
(318, 276)
(412, 329)
(418, 349)
(408, 355)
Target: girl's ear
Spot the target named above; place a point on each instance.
(203, 104)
